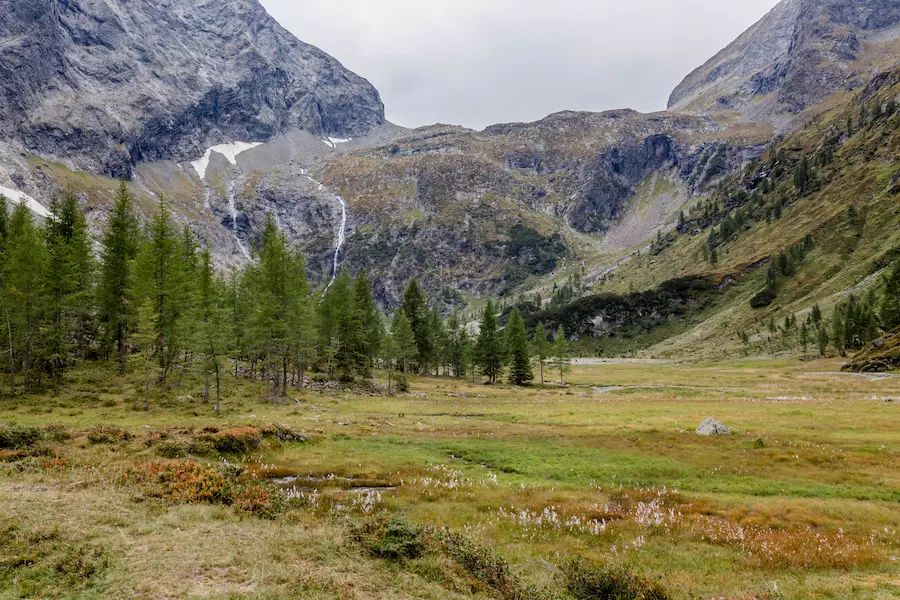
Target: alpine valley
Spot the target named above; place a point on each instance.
(232, 119)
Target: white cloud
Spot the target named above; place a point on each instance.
(478, 62)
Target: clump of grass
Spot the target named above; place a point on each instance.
(15, 437)
(105, 434)
(605, 582)
(394, 539)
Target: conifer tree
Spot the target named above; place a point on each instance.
(145, 337)
(520, 372)
(415, 307)
(542, 347)
(116, 304)
(368, 321)
(890, 303)
(404, 340)
(561, 353)
(26, 266)
(209, 325)
(489, 350)
(68, 287)
(4, 292)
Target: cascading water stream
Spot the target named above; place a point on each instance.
(233, 213)
(342, 232)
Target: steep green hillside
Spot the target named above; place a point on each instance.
(826, 197)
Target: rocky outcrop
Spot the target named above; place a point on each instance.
(712, 427)
(797, 55)
(102, 85)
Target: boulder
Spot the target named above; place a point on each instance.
(713, 427)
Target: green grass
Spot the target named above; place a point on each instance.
(811, 477)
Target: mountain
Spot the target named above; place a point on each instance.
(217, 107)
(103, 85)
(792, 59)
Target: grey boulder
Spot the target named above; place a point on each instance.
(713, 427)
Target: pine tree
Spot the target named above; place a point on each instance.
(404, 340)
(68, 286)
(520, 372)
(368, 321)
(115, 299)
(27, 259)
(4, 292)
(542, 347)
(489, 351)
(145, 337)
(210, 332)
(415, 306)
(890, 303)
(561, 353)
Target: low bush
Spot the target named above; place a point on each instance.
(15, 437)
(282, 433)
(185, 482)
(58, 432)
(256, 500)
(173, 449)
(238, 441)
(108, 435)
(604, 582)
(394, 539)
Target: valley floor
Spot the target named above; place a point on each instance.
(804, 498)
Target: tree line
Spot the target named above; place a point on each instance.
(154, 293)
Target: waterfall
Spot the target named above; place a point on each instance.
(233, 212)
(342, 232)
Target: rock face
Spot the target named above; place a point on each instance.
(798, 54)
(101, 85)
(711, 427)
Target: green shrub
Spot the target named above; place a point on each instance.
(173, 449)
(238, 441)
(58, 432)
(604, 582)
(15, 437)
(108, 435)
(396, 539)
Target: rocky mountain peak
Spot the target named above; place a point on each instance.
(105, 84)
(794, 57)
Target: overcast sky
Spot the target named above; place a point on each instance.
(480, 62)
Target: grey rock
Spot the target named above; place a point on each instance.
(101, 85)
(712, 427)
(798, 54)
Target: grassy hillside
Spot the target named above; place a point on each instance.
(844, 211)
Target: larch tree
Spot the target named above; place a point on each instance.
(489, 350)
(4, 293)
(27, 260)
(117, 312)
(562, 351)
(520, 372)
(543, 348)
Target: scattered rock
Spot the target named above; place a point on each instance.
(713, 427)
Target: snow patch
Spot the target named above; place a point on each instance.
(229, 151)
(333, 142)
(23, 198)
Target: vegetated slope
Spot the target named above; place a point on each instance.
(836, 226)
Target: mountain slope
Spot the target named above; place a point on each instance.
(102, 85)
(797, 55)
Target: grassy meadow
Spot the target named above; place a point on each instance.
(458, 489)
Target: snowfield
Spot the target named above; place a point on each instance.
(23, 198)
(229, 151)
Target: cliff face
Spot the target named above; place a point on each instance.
(797, 55)
(102, 85)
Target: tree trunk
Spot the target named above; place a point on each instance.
(542, 373)
(147, 381)
(390, 379)
(284, 371)
(12, 361)
(206, 386)
(218, 387)
(122, 346)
